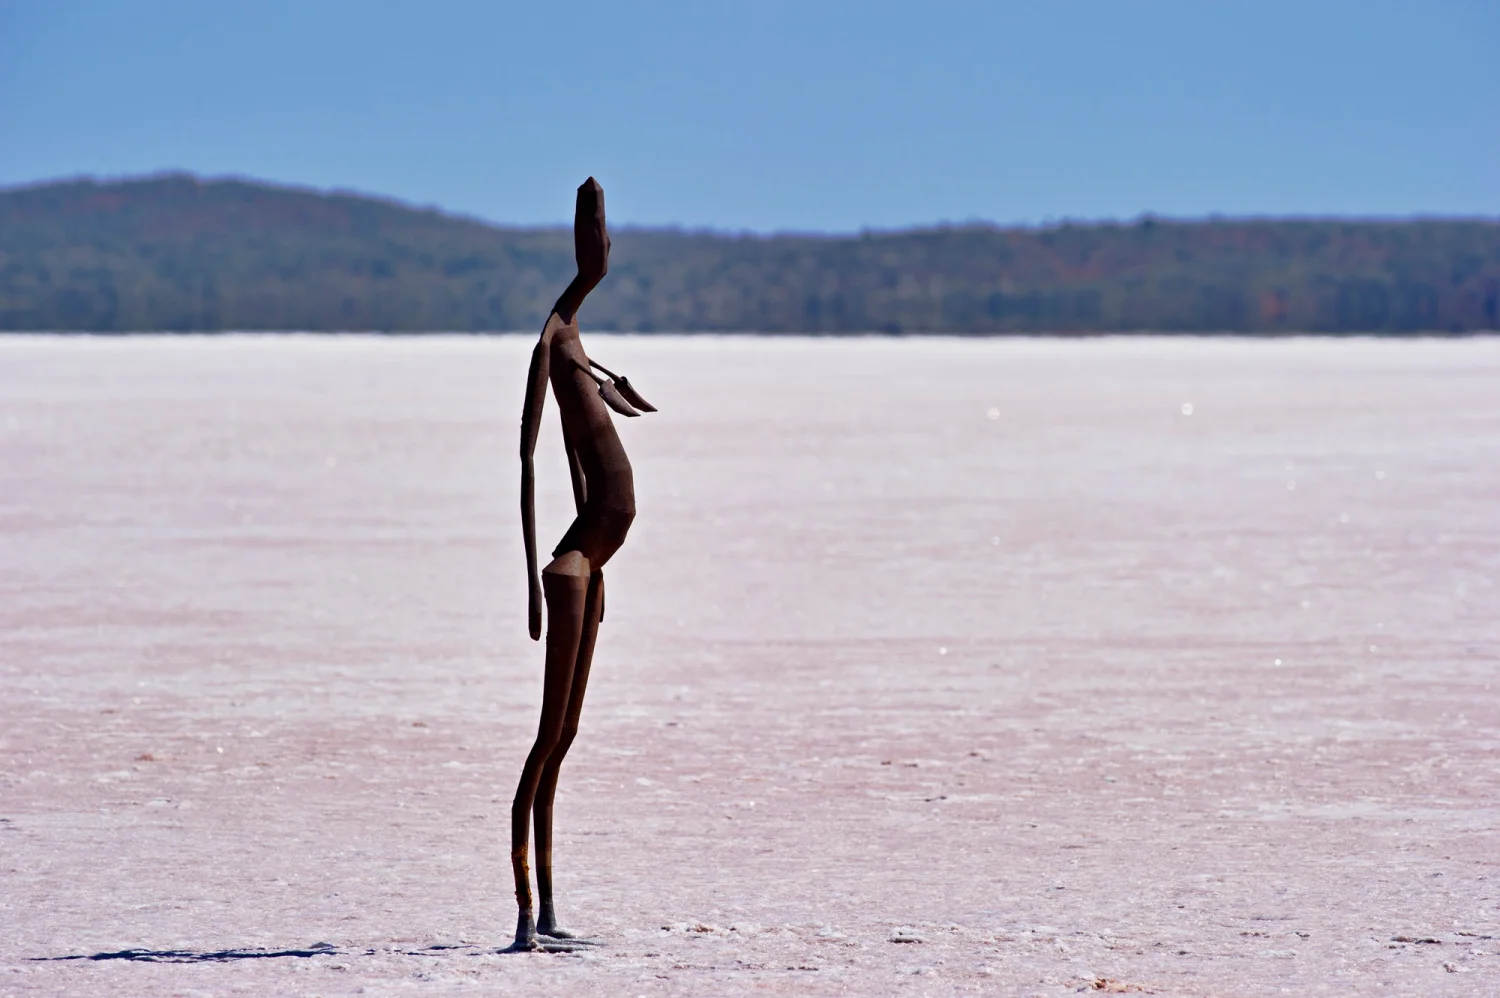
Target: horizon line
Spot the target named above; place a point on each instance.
(1048, 223)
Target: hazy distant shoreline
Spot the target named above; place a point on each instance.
(480, 334)
(177, 254)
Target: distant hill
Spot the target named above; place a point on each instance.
(178, 253)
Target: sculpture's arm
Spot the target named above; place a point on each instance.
(590, 249)
(624, 388)
(531, 419)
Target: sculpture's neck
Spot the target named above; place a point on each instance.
(568, 303)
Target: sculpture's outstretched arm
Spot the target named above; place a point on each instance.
(609, 392)
(531, 421)
(590, 249)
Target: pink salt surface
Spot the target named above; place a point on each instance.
(930, 667)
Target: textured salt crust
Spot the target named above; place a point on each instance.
(930, 667)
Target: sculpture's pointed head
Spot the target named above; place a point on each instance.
(590, 234)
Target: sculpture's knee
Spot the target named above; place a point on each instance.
(553, 740)
(569, 563)
(564, 741)
(544, 748)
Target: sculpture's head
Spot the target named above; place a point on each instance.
(590, 234)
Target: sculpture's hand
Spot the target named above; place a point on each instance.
(617, 391)
(632, 396)
(534, 610)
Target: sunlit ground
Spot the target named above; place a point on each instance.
(930, 666)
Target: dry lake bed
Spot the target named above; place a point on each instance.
(1006, 667)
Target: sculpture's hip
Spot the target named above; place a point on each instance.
(601, 526)
(598, 531)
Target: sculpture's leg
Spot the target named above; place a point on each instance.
(565, 584)
(542, 810)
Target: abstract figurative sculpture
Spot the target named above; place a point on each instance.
(573, 582)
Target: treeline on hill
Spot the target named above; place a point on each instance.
(178, 253)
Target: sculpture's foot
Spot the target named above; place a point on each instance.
(561, 940)
(526, 941)
(548, 928)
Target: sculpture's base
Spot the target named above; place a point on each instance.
(567, 939)
(546, 944)
(547, 926)
(530, 939)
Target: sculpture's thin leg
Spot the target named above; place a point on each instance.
(565, 585)
(542, 810)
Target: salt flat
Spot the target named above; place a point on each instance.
(930, 667)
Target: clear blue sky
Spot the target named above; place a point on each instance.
(764, 115)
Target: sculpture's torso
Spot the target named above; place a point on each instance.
(590, 433)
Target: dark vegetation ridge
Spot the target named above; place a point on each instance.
(178, 253)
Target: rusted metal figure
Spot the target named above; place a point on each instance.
(572, 584)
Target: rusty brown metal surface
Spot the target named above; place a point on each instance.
(572, 583)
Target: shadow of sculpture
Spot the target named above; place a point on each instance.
(201, 956)
(316, 949)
